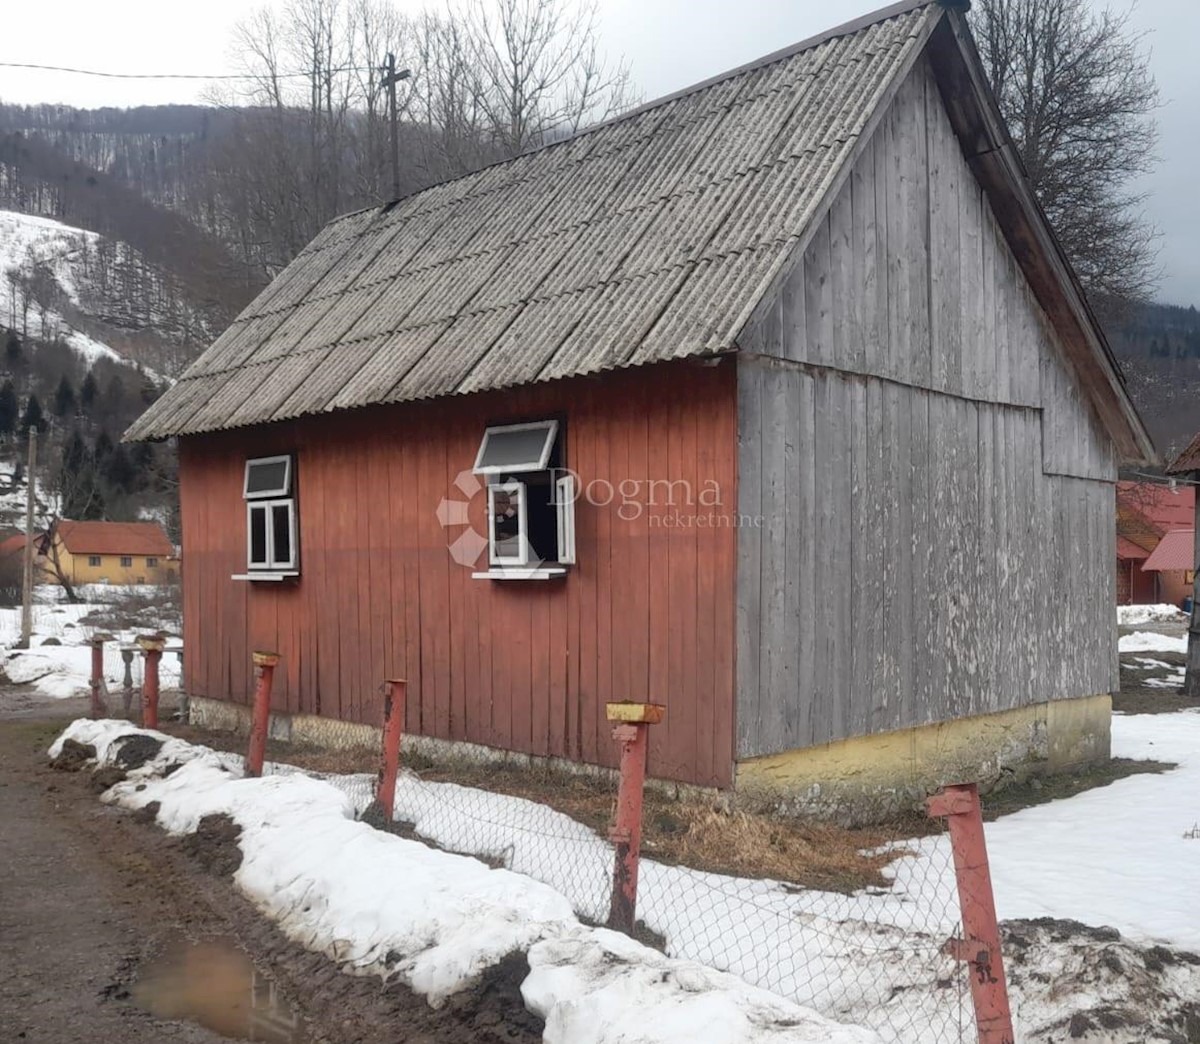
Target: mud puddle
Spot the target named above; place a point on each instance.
(215, 984)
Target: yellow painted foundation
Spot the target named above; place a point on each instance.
(868, 776)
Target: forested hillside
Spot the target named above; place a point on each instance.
(1159, 349)
(77, 311)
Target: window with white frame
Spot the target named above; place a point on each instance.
(269, 490)
(530, 497)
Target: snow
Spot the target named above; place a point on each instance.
(1137, 614)
(600, 986)
(64, 670)
(1151, 641)
(1119, 855)
(308, 864)
(26, 238)
(1115, 855)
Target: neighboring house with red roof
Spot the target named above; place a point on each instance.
(1150, 517)
(110, 553)
(12, 561)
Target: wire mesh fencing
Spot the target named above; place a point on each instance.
(872, 956)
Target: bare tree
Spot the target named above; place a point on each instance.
(310, 136)
(447, 101)
(1075, 86)
(43, 288)
(539, 70)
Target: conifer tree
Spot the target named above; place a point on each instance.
(88, 391)
(64, 398)
(33, 416)
(10, 408)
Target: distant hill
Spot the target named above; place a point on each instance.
(98, 296)
(120, 174)
(1158, 346)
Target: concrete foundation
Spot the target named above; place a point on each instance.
(868, 777)
(332, 733)
(855, 780)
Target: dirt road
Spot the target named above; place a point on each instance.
(90, 900)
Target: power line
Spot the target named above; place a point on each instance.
(179, 76)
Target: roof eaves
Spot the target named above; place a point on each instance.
(1188, 460)
(993, 157)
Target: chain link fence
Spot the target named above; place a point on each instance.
(872, 956)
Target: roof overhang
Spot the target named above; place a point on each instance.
(990, 152)
(1176, 551)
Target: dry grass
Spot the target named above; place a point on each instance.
(693, 833)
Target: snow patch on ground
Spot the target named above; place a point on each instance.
(1147, 663)
(444, 918)
(612, 982)
(1118, 856)
(1115, 855)
(64, 670)
(1128, 615)
(1150, 641)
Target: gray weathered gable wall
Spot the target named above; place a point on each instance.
(936, 495)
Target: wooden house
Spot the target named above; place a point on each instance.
(774, 400)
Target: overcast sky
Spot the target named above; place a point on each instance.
(668, 43)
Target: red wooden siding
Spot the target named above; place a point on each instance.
(648, 612)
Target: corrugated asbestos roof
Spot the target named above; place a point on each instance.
(1188, 460)
(648, 238)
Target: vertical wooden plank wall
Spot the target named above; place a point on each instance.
(936, 494)
(647, 613)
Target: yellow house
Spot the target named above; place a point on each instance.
(111, 553)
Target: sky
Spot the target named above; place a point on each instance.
(669, 44)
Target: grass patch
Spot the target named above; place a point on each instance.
(1053, 788)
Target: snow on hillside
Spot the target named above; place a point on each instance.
(27, 241)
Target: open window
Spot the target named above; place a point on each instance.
(271, 546)
(530, 500)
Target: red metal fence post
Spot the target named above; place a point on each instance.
(98, 708)
(632, 732)
(265, 663)
(152, 647)
(959, 805)
(389, 763)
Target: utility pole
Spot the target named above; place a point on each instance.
(390, 78)
(27, 574)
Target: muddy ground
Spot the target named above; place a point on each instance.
(90, 897)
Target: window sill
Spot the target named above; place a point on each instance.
(274, 577)
(518, 573)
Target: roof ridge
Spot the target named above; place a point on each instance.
(791, 50)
